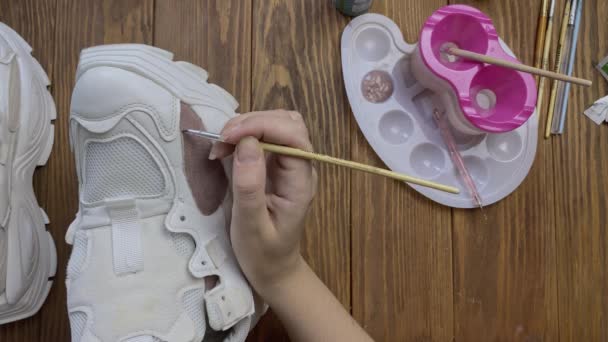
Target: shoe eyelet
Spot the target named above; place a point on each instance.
(223, 298)
(182, 218)
(203, 263)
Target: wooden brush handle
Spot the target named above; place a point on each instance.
(520, 67)
(294, 152)
(540, 34)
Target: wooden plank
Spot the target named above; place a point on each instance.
(214, 34)
(296, 65)
(80, 24)
(401, 254)
(504, 267)
(31, 20)
(581, 190)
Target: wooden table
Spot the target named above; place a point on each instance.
(407, 268)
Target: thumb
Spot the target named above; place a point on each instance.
(249, 182)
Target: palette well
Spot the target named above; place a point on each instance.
(395, 113)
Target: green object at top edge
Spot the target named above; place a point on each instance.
(353, 8)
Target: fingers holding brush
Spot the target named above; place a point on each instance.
(291, 177)
(279, 127)
(284, 133)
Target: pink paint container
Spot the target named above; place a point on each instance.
(480, 98)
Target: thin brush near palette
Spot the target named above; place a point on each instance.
(395, 87)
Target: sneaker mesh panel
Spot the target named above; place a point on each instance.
(78, 321)
(120, 168)
(79, 254)
(184, 244)
(193, 304)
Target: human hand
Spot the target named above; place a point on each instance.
(271, 195)
(271, 198)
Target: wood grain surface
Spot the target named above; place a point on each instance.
(407, 268)
(581, 195)
(504, 267)
(402, 258)
(296, 66)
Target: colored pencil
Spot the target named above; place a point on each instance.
(563, 66)
(566, 92)
(558, 64)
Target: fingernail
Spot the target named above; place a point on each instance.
(230, 131)
(212, 152)
(293, 115)
(248, 150)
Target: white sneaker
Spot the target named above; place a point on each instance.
(27, 253)
(151, 258)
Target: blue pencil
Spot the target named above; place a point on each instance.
(564, 107)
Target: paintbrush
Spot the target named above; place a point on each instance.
(540, 34)
(572, 53)
(516, 66)
(456, 157)
(297, 153)
(559, 99)
(545, 60)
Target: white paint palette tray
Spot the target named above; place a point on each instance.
(395, 115)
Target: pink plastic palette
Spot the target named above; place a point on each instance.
(490, 98)
(396, 116)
